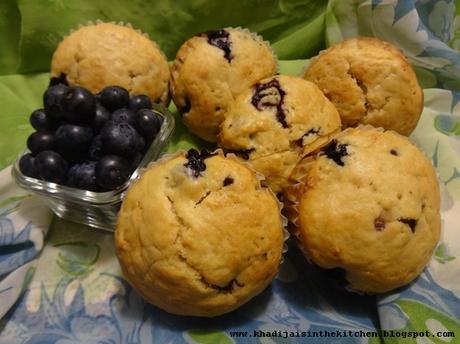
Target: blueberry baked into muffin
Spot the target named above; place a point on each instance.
(277, 121)
(368, 203)
(211, 69)
(198, 235)
(105, 54)
(370, 82)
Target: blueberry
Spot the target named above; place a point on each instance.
(51, 166)
(196, 161)
(312, 131)
(221, 40)
(335, 151)
(412, 223)
(119, 138)
(52, 100)
(41, 140)
(114, 97)
(95, 150)
(73, 141)
(270, 95)
(61, 79)
(124, 115)
(40, 121)
(185, 108)
(148, 123)
(79, 105)
(83, 176)
(243, 153)
(27, 166)
(228, 181)
(141, 144)
(134, 162)
(112, 171)
(140, 102)
(100, 118)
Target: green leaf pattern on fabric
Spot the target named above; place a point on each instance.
(77, 257)
(421, 318)
(28, 278)
(209, 337)
(442, 113)
(30, 31)
(447, 124)
(454, 42)
(441, 254)
(10, 204)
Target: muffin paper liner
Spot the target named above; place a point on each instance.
(120, 23)
(320, 142)
(259, 39)
(175, 65)
(297, 186)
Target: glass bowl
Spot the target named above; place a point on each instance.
(95, 209)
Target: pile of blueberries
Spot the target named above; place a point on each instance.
(89, 141)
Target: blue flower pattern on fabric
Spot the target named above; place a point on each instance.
(300, 303)
(300, 299)
(16, 245)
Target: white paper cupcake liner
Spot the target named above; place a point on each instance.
(260, 39)
(120, 23)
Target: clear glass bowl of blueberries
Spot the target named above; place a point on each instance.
(88, 148)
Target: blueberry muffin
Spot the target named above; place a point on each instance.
(275, 122)
(211, 69)
(368, 203)
(197, 234)
(370, 82)
(107, 54)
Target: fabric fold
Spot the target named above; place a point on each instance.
(71, 289)
(24, 222)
